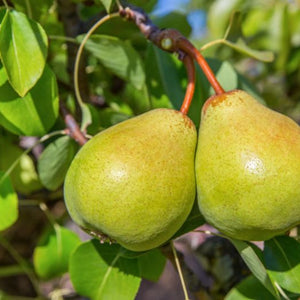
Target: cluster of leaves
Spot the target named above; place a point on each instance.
(123, 76)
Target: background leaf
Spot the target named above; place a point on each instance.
(33, 114)
(282, 259)
(55, 161)
(252, 256)
(250, 288)
(126, 62)
(24, 176)
(98, 271)
(152, 264)
(8, 203)
(23, 48)
(51, 255)
(107, 4)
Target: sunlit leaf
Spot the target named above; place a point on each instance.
(99, 271)
(8, 202)
(23, 48)
(33, 114)
(51, 255)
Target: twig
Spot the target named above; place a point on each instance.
(189, 93)
(186, 296)
(22, 263)
(73, 129)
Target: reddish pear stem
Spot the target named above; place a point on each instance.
(188, 48)
(190, 89)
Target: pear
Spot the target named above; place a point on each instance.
(135, 181)
(247, 167)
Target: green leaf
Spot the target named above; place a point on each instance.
(86, 119)
(119, 57)
(152, 264)
(282, 259)
(33, 114)
(98, 271)
(174, 20)
(163, 79)
(107, 4)
(23, 48)
(8, 202)
(234, 39)
(240, 46)
(252, 256)
(24, 176)
(219, 15)
(55, 160)
(52, 253)
(250, 288)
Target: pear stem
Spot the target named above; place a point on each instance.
(190, 89)
(189, 48)
(186, 296)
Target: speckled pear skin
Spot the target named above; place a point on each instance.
(135, 181)
(247, 168)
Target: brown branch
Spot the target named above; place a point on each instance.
(170, 40)
(72, 126)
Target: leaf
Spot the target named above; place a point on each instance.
(249, 288)
(163, 80)
(152, 264)
(8, 202)
(219, 14)
(55, 161)
(282, 259)
(240, 46)
(33, 114)
(234, 39)
(51, 255)
(98, 271)
(119, 57)
(86, 119)
(23, 48)
(252, 256)
(107, 4)
(24, 177)
(174, 20)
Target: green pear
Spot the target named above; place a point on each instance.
(135, 181)
(247, 167)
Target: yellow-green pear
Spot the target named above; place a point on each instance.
(247, 167)
(135, 181)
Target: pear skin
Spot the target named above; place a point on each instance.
(247, 168)
(135, 181)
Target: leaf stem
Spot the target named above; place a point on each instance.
(79, 53)
(212, 43)
(22, 263)
(6, 5)
(186, 296)
(28, 7)
(63, 38)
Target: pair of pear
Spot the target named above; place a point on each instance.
(136, 181)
